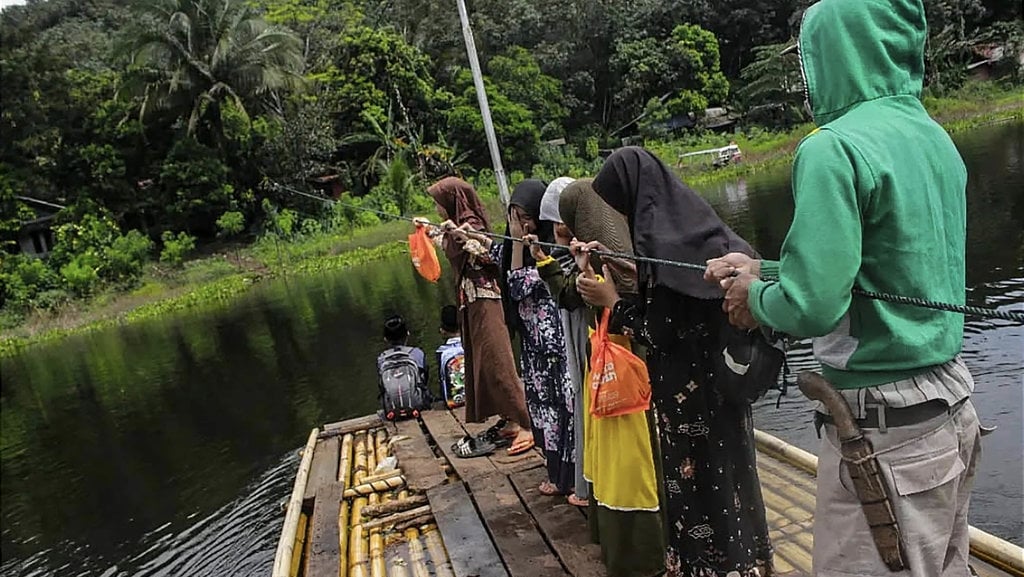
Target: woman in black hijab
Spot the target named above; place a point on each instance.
(715, 513)
(532, 313)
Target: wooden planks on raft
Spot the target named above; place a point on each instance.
(563, 525)
(469, 546)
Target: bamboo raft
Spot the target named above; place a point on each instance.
(437, 515)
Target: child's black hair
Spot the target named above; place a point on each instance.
(395, 330)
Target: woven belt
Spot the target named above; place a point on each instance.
(881, 417)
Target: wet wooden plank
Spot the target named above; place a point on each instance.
(446, 430)
(415, 457)
(324, 468)
(513, 529)
(470, 548)
(564, 527)
(350, 426)
(324, 550)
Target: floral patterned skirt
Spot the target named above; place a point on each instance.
(715, 516)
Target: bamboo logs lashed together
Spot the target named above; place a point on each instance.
(417, 559)
(345, 466)
(357, 548)
(286, 546)
(382, 476)
(438, 554)
(375, 541)
(344, 475)
(375, 487)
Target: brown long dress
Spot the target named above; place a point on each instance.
(493, 386)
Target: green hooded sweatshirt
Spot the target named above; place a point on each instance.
(880, 202)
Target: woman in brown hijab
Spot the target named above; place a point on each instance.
(492, 385)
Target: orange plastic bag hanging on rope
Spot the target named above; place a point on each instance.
(619, 383)
(423, 255)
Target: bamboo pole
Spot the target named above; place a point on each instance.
(417, 560)
(375, 542)
(382, 445)
(344, 474)
(360, 460)
(438, 554)
(395, 506)
(397, 517)
(382, 476)
(378, 568)
(343, 522)
(300, 536)
(345, 466)
(398, 568)
(357, 548)
(367, 489)
(997, 552)
(286, 545)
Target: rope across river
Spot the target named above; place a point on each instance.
(970, 310)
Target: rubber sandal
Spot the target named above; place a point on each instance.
(493, 435)
(520, 448)
(470, 447)
(577, 502)
(549, 489)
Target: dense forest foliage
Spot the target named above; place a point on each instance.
(162, 123)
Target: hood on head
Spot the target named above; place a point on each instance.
(549, 204)
(852, 51)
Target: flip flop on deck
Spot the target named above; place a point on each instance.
(469, 447)
(521, 447)
(493, 435)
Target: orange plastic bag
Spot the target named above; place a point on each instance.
(619, 383)
(423, 255)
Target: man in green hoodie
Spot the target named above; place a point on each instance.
(879, 190)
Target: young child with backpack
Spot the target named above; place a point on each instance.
(451, 360)
(403, 373)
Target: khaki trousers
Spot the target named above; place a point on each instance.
(929, 469)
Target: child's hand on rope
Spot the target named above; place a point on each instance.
(578, 250)
(536, 251)
(599, 292)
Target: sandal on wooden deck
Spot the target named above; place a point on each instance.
(494, 436)
(577, 502)
(520, 447)
(469, 447)
(549, 489)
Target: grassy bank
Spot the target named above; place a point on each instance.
(206, 282)
(974, 105)
(213, 279)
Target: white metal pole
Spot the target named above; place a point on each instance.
(485, 109)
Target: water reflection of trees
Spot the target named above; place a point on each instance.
(108, 435)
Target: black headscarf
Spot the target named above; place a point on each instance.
(668, 220)
(527, 196)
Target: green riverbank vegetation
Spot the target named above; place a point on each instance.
(148, 149)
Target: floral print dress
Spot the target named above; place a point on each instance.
(545, 371)
(715, 517)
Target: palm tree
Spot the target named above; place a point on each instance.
(192, 58)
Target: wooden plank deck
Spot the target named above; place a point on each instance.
(493, 521)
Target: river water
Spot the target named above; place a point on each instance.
(166, 448)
